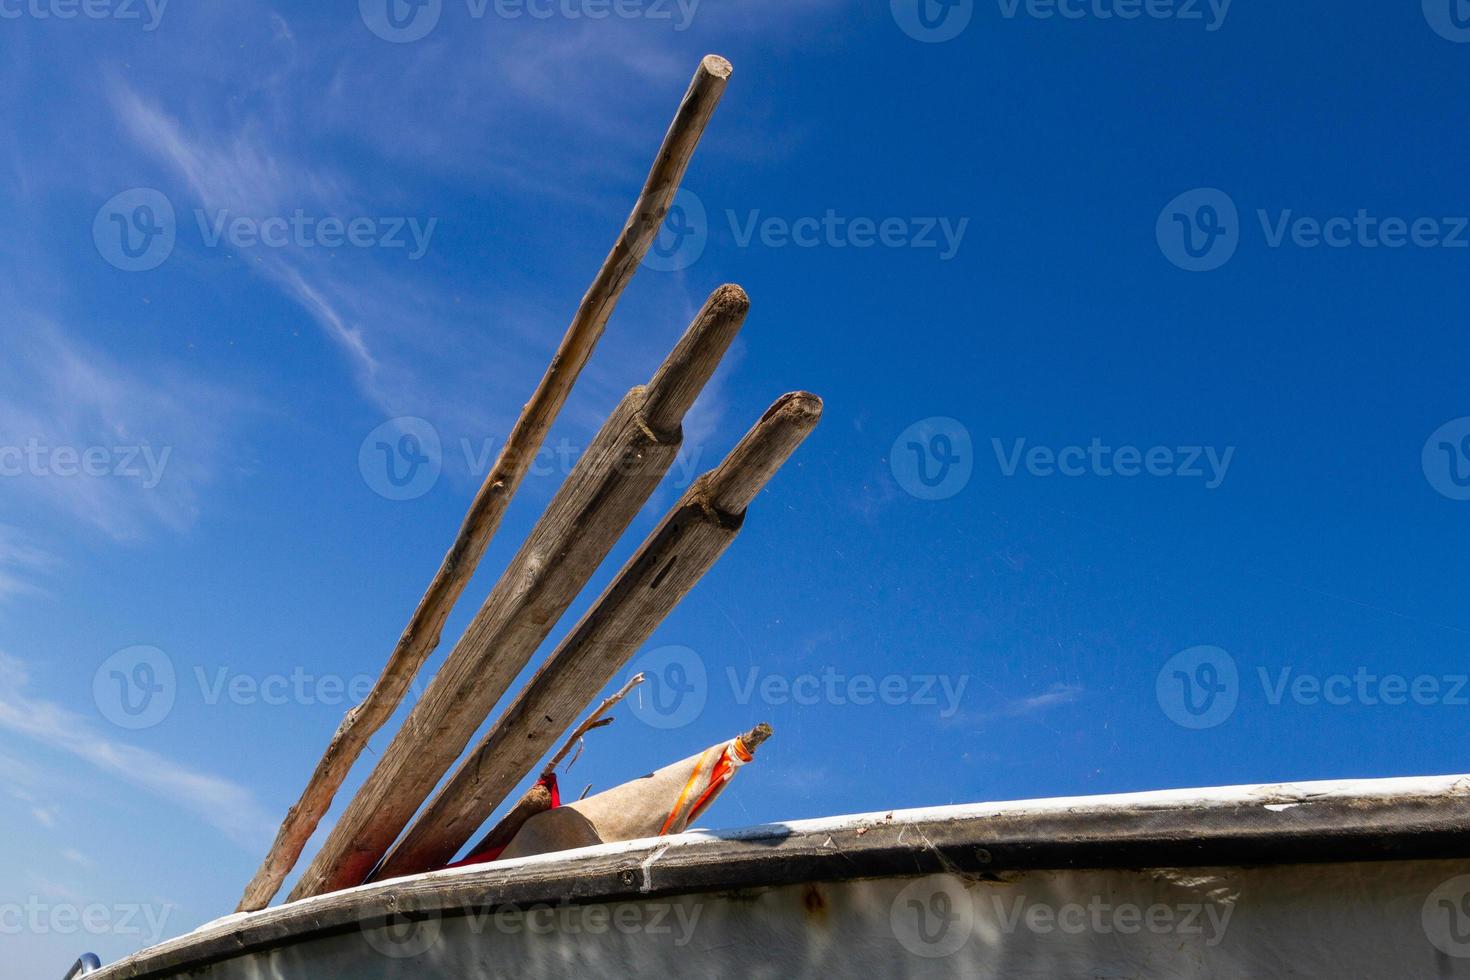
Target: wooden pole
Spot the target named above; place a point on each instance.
(421, 637)
(666, 566)
(604, 492)
(537, 799)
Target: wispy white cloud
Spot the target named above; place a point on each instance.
(238, 171)
(56, 891)
(78, 858)
(413, 344)
(227, 806)
(1056, 696)
(43, 813)
(22, 564)
(414, 338)
(155, 441)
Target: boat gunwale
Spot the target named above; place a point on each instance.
(1420, 818)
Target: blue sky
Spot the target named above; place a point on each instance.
(973, 249)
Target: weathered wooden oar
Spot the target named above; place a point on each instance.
(421, 637)
(601, 496)
(666, 566)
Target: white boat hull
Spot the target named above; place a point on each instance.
(1320, 880)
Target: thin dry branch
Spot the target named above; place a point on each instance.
(594, 720)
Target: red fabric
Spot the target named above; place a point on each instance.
(492, 853)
